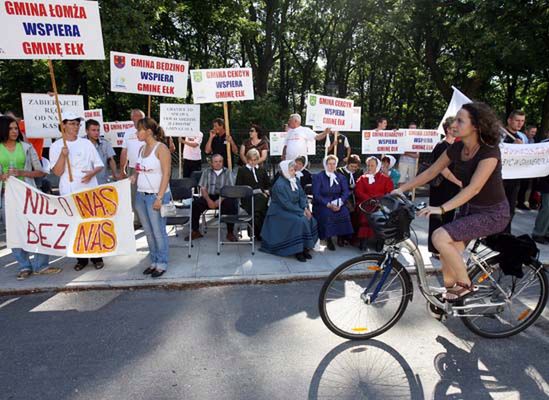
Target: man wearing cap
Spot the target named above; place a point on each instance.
(85, 164)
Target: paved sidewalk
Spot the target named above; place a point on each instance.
(235, 264)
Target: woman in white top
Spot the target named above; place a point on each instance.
(153, 170)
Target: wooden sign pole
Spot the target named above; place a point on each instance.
(336, 134)
(228, 133)
(180, 159)
(56, 95)
(149, 107)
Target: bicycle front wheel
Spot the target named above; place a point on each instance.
(511, 304)
(364, 297)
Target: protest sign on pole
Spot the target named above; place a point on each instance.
(329, 112)
(180, 119)
(520, 161)
(223, 85)
(383, 142)
(276, 144)
(134, 73)
(356, 119)
(40, 113)
(90, 223)
(420, 140)
(51, 29)
(96, 115)
(114, 131)
(399, 141)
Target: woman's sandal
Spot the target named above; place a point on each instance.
(459, 292)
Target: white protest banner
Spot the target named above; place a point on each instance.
(458, 99)
(51, 29)
(96, 115)
(180, 119)
(329, 112)
(134, 73)
(221, 85)
(519, 161)
(355, 122)
(90, 223)
(276, 144)
(40, 113)
(420, 140)
(381, 142)
(114, 132)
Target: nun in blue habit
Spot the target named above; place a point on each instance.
(289, 228)
(330, 195)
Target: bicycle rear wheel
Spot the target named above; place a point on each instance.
(527, 298)
(346, 301)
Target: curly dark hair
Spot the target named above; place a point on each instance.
(485, 120)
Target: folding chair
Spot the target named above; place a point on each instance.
(182, 189)
(237, 193)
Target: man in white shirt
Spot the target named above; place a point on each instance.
(85, 163)
(192, 155)
(128, 157)
(295, 144)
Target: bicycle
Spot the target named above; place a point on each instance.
(367, 295)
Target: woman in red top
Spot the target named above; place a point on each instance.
(370, 185)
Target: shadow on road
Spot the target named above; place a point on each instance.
(365, 370)
(491, 368)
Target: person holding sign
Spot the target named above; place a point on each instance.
(256, 141)
(85, 164)
(407, 164)
(343, 146)
(104, 149)
(295, 144)
(483, 207)
(289, 228)
(217, 143)
(153, 168)
(19, 159)
(330, 195)
(192, 156)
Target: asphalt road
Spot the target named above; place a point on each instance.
(249, 342)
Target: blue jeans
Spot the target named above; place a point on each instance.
(39, 262)
(155, 228)
(541, 227)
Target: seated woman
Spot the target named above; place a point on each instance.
(256, 177)
(387, 164)
(370, 185)
(352, 172)
(330, 195)
(289, 227)
(302, 174)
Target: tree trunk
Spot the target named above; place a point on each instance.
(545, 112)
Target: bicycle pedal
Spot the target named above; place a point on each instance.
(436, 313)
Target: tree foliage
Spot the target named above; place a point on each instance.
(397, 58)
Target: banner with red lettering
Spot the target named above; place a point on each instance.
(114, 131)
(222, 84)
(134, 73)
(329, 112)
(51, 29)
(399, 141)
(90, 223)
(96, 115)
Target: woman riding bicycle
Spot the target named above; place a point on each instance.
(484, 209)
